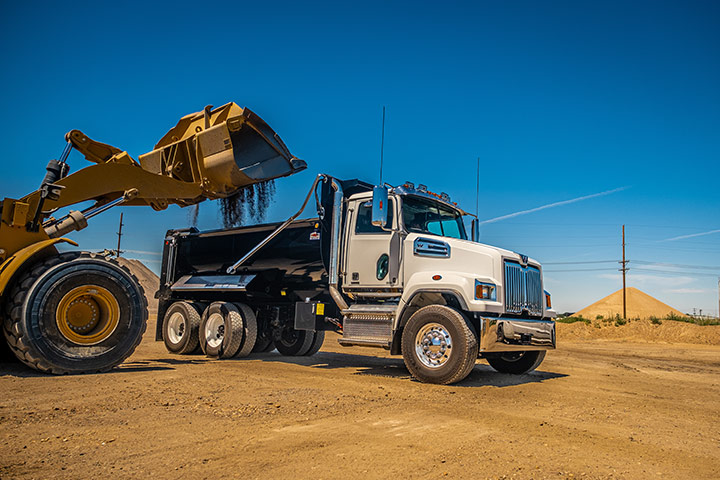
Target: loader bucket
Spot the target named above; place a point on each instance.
(223, 150)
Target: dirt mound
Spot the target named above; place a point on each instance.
(148, 280)
(639, 305)
(642, 331)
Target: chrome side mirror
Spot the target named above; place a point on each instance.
(380, 206)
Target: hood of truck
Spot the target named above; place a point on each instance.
(435, 263)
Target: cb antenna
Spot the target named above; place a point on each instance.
(382, 146)
(477, 192)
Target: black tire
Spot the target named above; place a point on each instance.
(264, 340)
(221, 330)
(294, 342)
(516, 362)
(250, 330)
(263, 343)
(446, 342)
(316, 344)
(75, 313)
(180, 328)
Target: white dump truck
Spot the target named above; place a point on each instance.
(388, 267)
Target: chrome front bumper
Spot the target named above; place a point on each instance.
(513, 334)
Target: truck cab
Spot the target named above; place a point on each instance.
(417, 253)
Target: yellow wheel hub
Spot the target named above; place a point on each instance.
(88, 314)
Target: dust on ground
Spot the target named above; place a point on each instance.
(594, 409)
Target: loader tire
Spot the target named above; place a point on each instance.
(439, 345)
(249, 330)
(221, 330)
(317, 343)
(180, 328)
(516, 362)
(75, 312)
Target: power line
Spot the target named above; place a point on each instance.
(579, 263)
(583, 270)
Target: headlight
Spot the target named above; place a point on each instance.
(548, 303)
(485, 291)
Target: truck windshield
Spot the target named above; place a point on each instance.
(426, 216)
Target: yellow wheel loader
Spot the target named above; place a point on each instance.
(82, 312)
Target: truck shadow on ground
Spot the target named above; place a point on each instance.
(481, 376)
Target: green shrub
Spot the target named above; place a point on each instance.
(599, 317)
(703, 321)
(572, 320)
(655, 320)
(619, 321)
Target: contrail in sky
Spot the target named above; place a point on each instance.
(551, 205)
(683, 237)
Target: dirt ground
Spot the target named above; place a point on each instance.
(594, 409)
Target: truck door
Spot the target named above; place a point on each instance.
(373, 254)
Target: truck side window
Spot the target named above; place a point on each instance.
(364, 218)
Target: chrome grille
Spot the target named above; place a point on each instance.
(523, 289)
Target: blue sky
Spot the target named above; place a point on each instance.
(559, 100)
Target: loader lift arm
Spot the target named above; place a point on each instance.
(208, 155)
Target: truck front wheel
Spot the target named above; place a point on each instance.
(75, 313)
(438, 345)
(516, 362)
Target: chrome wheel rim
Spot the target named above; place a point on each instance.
(176, 327)
(433, 345)
(215, 330)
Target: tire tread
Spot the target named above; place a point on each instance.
(14, 308)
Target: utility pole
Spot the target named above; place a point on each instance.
(119, 234)
(624, 270)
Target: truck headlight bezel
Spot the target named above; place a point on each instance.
(485, 291)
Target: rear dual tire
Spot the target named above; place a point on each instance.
(227, 330)
(298, 343)
(180, 328)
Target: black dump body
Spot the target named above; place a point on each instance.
(288, 269)
(292, 267)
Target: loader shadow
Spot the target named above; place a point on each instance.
(482, 374)
(19, 370)
(14, 368)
